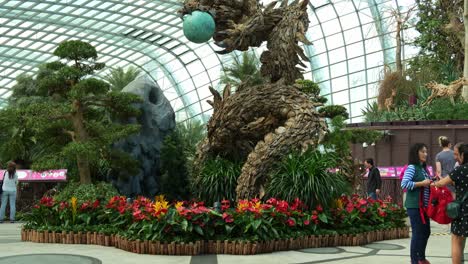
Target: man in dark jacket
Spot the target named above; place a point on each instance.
(374, 182)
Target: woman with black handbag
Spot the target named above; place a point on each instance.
(459, 178)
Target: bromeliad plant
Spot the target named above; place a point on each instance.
(247, 220)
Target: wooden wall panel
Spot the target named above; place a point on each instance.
(394, 152)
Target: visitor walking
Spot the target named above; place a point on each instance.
(416, 181)
(459, 178)
(374, 182)
(445, 160)
(10, 181)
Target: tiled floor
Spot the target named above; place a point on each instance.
(385, 252)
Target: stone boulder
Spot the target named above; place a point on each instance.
(157, 120)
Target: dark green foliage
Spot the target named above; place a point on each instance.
(118, 78)
(191, 133)
(443, 109)
(309, 87)
(306, 176)
(41, 122)
(217, 180)
(337, 140)
(365, 135)
(332, 111)
(86, 192)
(174, 179)
(244, 71)
(437, 43)
(75, 50)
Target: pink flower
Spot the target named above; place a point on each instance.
(306, 222)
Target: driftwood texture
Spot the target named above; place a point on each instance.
(259, 125)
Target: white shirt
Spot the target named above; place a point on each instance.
(9, 185)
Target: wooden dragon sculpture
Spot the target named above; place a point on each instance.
(259, 125)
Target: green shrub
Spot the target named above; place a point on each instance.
(86, 192)
(217, 180)
(308, 87)
(332, 111)
(174, 179)
(306, 176)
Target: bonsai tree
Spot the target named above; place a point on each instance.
(76, 117)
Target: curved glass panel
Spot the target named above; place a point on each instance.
(352, 41)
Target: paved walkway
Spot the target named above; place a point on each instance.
(13, 251)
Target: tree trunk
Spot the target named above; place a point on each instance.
(399, 64)
(81, 135)
(260, 124)
(465, 68)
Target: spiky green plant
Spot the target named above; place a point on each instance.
(217, 180)
(307, 177)
(118, 78)
(245, 71)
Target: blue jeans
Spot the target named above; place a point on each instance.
(372, 195)
(7, 195)
(419, 235)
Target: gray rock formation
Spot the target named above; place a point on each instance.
(157, 121)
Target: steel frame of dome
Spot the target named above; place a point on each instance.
(148, 35)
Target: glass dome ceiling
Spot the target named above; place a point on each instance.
(352, 41)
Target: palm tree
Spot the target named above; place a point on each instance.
(118, 78)
(243, 72)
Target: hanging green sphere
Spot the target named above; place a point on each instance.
(199, 26)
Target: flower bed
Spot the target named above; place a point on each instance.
(251, 227)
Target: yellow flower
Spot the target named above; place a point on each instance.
(258, 205)
(160, 198)
(74, 206)
(179, 205)
(242, 205)
(158, 206)
(339, 204)
(74, 203)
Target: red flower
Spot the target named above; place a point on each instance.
(63, 205)
(319, 208)
(138, 215)
(362, 202)
(314, 217)
(47, 201)
(272, 201)
(227, 218)
(363, 209)
(121, 209)
(84, 206)
(306, 222)
(225, 204)
(381, 212)
(282, 206)
(291, 222)
(96, 204)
